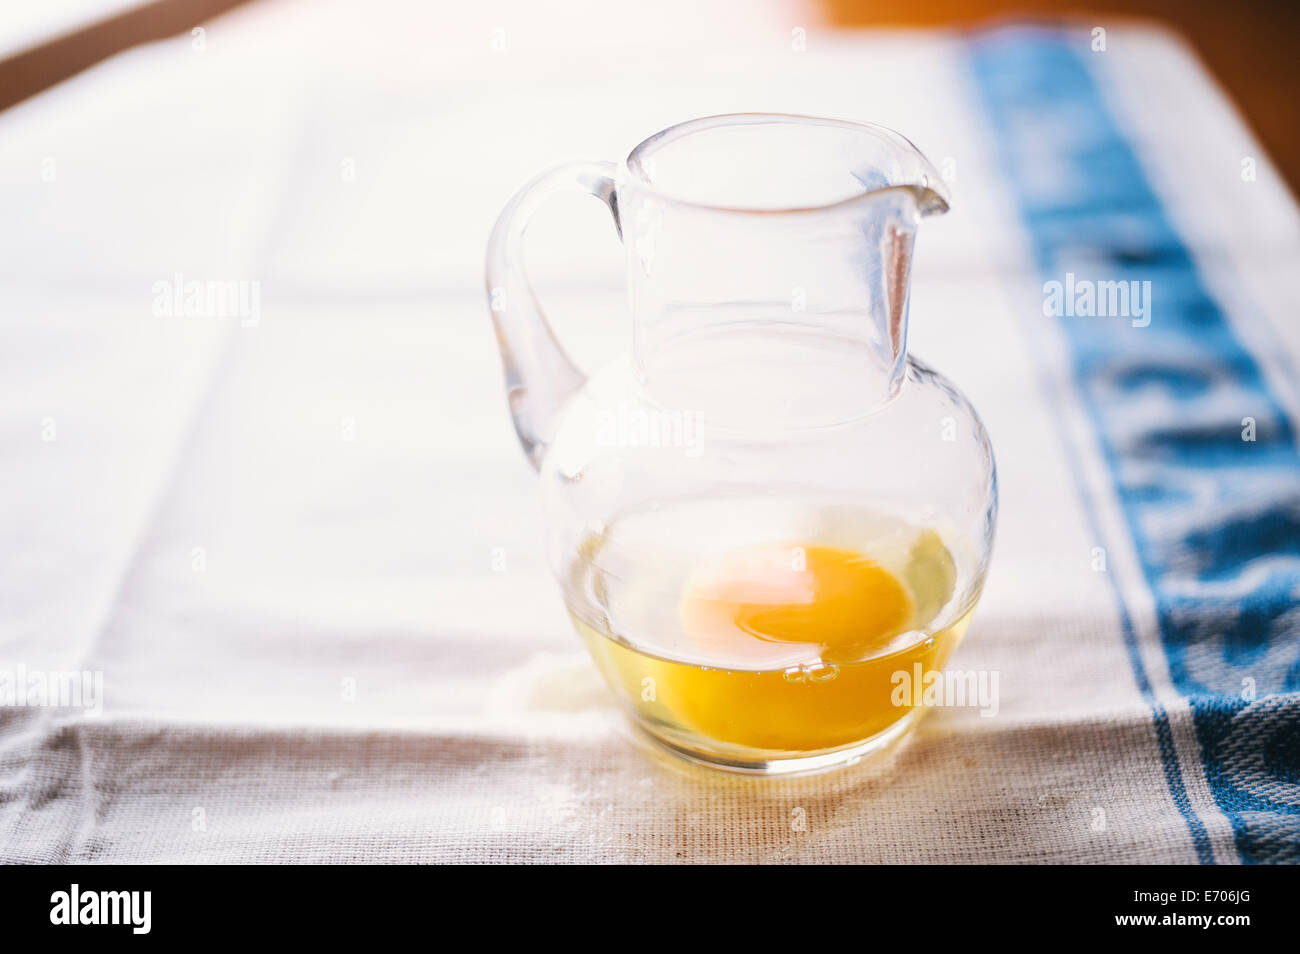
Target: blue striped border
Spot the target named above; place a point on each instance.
(1214, 518)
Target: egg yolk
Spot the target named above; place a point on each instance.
(838, 602)
(819, 595)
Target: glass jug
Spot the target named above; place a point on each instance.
(770, 524)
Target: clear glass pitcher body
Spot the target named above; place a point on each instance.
(770, 525)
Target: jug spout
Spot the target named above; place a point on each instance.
(910, 172)
(931, 192)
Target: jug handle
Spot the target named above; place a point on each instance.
(540, 376)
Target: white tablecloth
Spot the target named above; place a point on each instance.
(275, 537)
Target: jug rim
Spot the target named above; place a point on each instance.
(930, 193)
